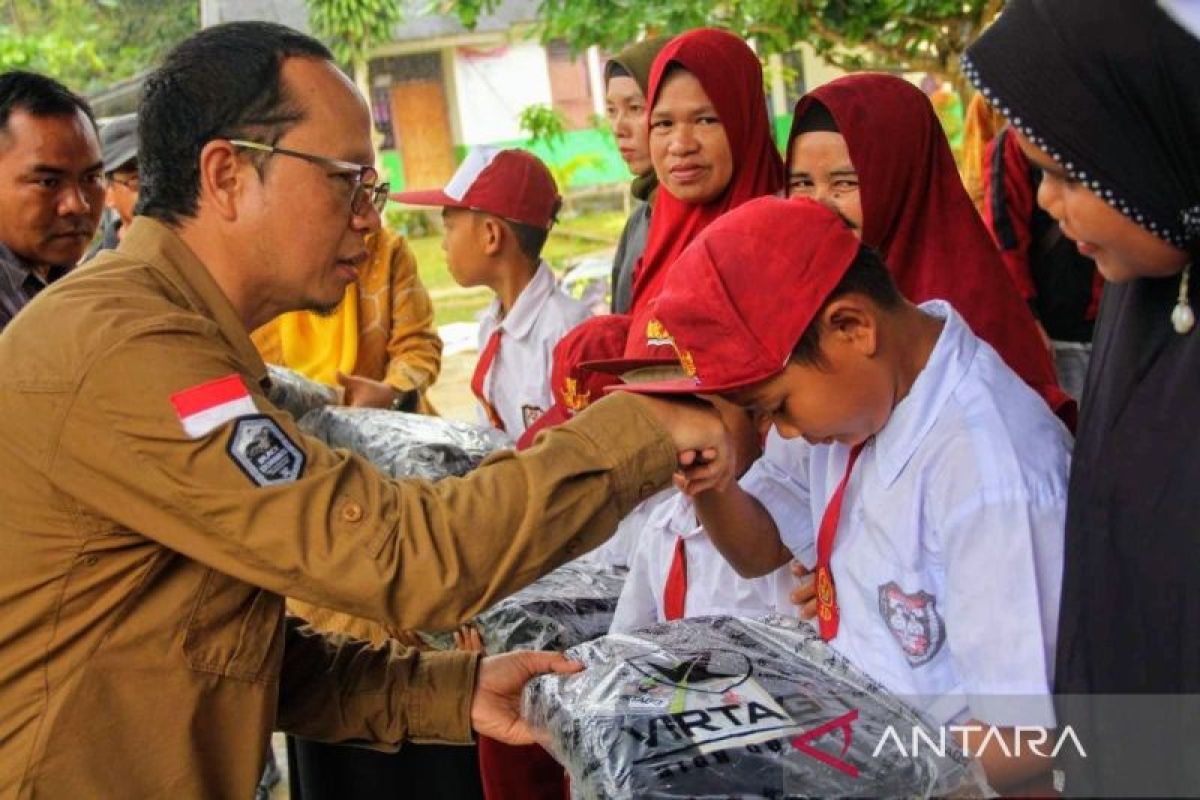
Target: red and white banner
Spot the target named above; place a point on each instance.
(206, 407)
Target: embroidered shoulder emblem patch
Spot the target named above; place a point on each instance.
(260, 449)
(915, 622)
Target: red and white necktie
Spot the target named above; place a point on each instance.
(827, 609)
(675, 592)
(490, 351)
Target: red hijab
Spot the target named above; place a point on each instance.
(732, 78)
(918, 215)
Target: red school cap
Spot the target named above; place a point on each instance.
(647, 350)
(512, 184)
(742, 294)
(575, 386)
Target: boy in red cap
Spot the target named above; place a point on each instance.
(573, 384)
(498, 209)
(922, 482)
(675, 569)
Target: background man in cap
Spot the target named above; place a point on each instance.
(119, 139)
(51, 185)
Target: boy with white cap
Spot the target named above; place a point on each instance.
(498, 209)
(922, 480)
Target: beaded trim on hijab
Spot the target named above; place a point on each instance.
(1183, 319)
(1190, 218)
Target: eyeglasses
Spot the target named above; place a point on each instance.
(366, 191)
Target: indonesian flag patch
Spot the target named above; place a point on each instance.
(204, 408)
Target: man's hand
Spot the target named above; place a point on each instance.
(706, 451)
(496, 706)
(366, 393)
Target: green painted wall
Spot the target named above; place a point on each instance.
(392, 167)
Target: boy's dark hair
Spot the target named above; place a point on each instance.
(868, 276)
(531, 240)
(38, 95)
(222, 82)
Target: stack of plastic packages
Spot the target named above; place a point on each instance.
(571, 605)
(723, 707)
(405, 445)
(295, 393)
(401, 445)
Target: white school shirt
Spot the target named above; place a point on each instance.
(518, 383)
(948, 560)
(713, 586)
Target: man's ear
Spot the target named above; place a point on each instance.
(852, 320)
(491, 235)
(222, 178)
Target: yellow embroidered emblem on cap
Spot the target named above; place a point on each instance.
(658, 335)
(686, 361)
(573, 399)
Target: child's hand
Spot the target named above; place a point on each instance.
(467, 638)
(703, 476)
(805, 594)
(705, 447)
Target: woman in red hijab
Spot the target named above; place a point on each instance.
(710, 142)
(871, 146)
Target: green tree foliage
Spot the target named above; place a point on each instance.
(915, 35)
(352, 27)
(541, 123)
(92, 44)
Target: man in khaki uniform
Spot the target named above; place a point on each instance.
(157, 508)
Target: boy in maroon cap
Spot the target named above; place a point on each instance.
(498, 209)
(573, 384)
(918, 478)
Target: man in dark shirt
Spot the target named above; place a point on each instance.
(51, 185)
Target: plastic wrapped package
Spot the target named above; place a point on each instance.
(571, 605)
(405, 445)
(297, 394)
(724, 707)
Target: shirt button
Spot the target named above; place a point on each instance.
(352, 512)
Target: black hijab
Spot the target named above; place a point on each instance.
(1109, 89)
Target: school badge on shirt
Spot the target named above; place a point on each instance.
(530, 414)
(914, 621)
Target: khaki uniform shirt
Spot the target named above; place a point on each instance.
(143, 646)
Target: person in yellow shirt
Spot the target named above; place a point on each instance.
(379, 344)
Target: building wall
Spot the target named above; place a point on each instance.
(491, 87)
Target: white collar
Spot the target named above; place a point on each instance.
(915, 415)
(520, 318)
